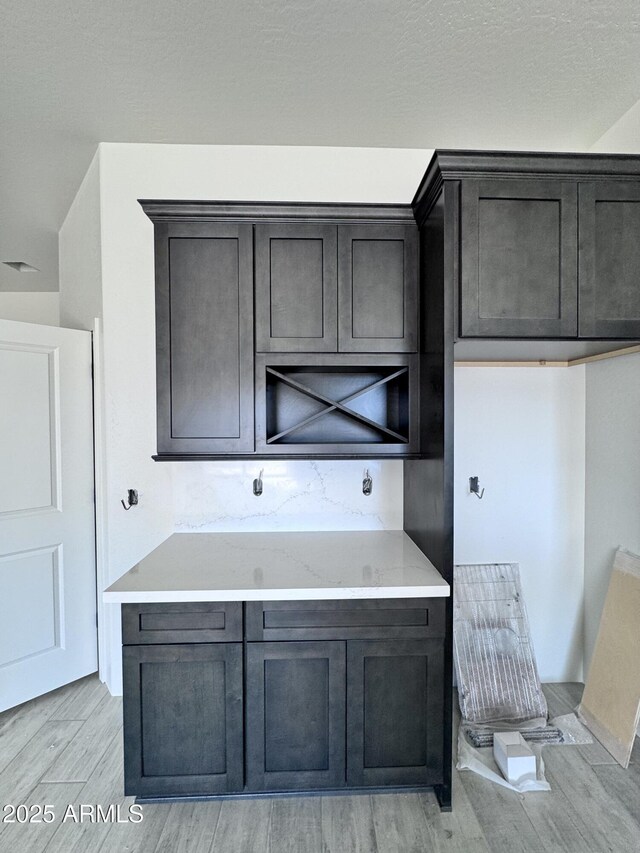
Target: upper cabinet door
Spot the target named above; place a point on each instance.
(378, 288)
(204, 336)
(296, 288)
(518, 259)
(610, 259)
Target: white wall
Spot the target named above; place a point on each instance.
(302, 497)
(79, 252)
(613, 443)
(505, 418)
(31, 307)
(612, 478)
(623, 137)
(521, 431)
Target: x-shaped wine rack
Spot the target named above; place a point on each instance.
(337, 405)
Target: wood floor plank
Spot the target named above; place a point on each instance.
(296, 825)
(459, 830)
(104, 788)
(605, 818)
(563, 699)
(189, 828)
(624, 786)
(82, 701)
(243, 826)
(347, 824)
(18, 725)
(25, 771)
(142, 837)
(505, 824)
(400, 824)
(78, 761)
(34, 837)
(556, 822)
(595, 754)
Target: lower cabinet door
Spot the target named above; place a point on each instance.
(394, 712)
(183, 719)
(295, 715)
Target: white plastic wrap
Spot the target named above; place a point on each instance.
(496, 671)
(482, 762)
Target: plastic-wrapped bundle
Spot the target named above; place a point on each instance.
(496, 669)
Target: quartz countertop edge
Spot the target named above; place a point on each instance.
(295, 566)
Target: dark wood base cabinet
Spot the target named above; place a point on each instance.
(296, 713)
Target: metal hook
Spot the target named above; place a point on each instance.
(257, 484)
(367, 483)
(474, 487)
(132, 499)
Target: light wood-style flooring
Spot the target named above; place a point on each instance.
(66, 748)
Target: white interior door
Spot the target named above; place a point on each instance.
(47, 532)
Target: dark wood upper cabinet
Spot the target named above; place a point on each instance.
(315, 296)
(296, 288)
(610, 259)
(204, 335)
(518, 258)
(377, 288)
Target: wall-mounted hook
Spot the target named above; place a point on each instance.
(257, 484)
(367, 483)
(132, 499)
(474, 487)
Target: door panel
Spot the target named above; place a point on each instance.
(183, 719)
(30, 583)
(610, 259)
(204, 331)
(47, 550)
(295, 715)
(394, 712)
(29, 380)
(296, 288)
(378, 288)
(518, 259)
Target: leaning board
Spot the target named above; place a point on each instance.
(610, 704)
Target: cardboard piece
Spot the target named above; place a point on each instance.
(514, 758)
(610, 706)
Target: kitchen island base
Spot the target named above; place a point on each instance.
(283, 697)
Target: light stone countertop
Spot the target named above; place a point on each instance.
(279, 567)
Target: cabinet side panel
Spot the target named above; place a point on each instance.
(428, 482)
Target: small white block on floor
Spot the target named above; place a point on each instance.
(513, 757)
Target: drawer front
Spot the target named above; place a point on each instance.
(191, 622)
(388, 618)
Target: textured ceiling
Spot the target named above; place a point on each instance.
(393, 73)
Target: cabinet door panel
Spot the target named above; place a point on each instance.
(394, 712)
(204, 329)
(377, 282)
(295, 715)
(610, 259)
(518, 259)
(296, 288)
(183, 719)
